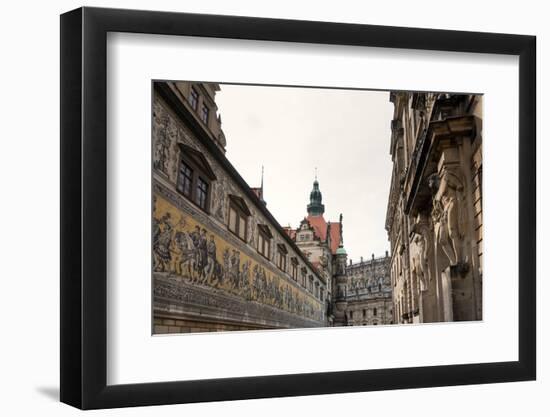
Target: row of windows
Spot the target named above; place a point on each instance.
(374, 313)
(194, 182)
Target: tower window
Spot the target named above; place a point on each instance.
(194, 99)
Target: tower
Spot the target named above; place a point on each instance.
(340, 284)
(315, 206)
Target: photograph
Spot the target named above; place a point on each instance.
(314, 207)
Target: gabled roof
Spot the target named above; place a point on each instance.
(199, 160)
(239, 202)
(320, 227)
(265, 229)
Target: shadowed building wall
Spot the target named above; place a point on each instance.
(434, 217)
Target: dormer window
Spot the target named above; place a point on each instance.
(264, 240)
(194, 177)
(294, 268)
(238, 216)
(304, 276)
(281, 257)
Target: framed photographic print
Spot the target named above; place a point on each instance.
(257, 208)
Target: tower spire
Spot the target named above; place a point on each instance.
(262, 182)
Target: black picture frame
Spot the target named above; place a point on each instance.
(84, 207)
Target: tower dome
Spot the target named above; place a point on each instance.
(315, 206)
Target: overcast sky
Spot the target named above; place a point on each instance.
(290, 131)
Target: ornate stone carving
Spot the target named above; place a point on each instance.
(423, 244)
(447, 213)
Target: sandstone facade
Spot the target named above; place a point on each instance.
(434, 217)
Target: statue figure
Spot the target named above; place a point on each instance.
(162, 146)
(447, 214)
(423, 243)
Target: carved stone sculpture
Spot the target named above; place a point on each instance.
(447, 214)
(424, 248)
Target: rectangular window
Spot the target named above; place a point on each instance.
(263, 245)
(374, 311)
(237, 221)
(233, 225)
(322, 295)
(185, 179)
(204, 113)
(242, 228)
(194, 99)
(202, 193)
(294, 270)
(281, 258)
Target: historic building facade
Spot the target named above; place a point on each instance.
(369, 298)
(434, 216)
(358, 294)
(220, 259)
(322, 243)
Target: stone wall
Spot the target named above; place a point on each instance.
(369, 292)
(434, 216)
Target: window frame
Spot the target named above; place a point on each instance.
(294, 268)
(281, 257)
(265, 236)
(200, 171)
(193, 98)
(242, 213)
